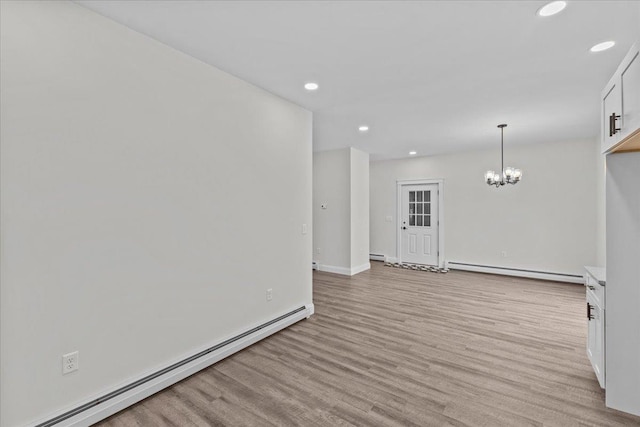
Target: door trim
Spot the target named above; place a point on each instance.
(440, 183)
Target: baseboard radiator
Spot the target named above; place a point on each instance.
(104, 406)
(377, 257)
(518, 272)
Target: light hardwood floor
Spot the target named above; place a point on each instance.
(405, 348)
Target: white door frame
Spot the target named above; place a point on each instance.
(440, 183)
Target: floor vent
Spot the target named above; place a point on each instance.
(377, 257)
(518, 272)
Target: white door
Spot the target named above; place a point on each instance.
(419, 224)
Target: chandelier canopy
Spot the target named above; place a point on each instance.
(509, 175)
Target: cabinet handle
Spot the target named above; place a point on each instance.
(612, 124)
(589, 315)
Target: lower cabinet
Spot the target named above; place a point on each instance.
(595, 337)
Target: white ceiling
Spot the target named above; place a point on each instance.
(431, 76)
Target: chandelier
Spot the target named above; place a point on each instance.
(509, 175)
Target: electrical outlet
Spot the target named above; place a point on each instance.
(70, 362)
(318, 251)
(304, 228)
(269, 294)
(389, 218)
(504, 254)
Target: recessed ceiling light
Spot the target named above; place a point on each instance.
(552, 8)
(311, 86)
(413, 153)
(363, 128)
(602, 46)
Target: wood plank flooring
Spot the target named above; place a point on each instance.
(392, 347)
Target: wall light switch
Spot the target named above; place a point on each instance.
(304, 228)
(388, 218)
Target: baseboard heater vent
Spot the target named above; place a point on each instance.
(377, 257)
(238, 342)
(519, 272)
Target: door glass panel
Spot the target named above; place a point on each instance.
(420, 208)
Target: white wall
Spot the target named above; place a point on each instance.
(148, 201)
(341, 231)
(546, 222)
(359, 209)
(332, 226)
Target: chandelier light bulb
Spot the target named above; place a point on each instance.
(488, 176)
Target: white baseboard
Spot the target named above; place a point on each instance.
(344, 270)
(333, 269)
(109, 407)
(360, 268)
(569, 278)
(310, 309)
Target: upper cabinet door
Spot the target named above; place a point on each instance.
(630, 89)
(611, 113)
(620, 119)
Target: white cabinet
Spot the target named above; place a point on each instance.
(622, 306)
(595, 311)
(620, 106)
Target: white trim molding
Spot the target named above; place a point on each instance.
(119, 401)
(345, 271)
(399, 184)
(506, 271)
(360, 268)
